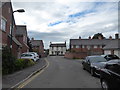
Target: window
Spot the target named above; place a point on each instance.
(74, 46)
(83, 46)
(77, 46)
(10, 28)
(88, 47)
(3, 24)
(95, 46)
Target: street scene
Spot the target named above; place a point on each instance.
(60, 44)
(64, 73)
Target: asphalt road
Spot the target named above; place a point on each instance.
(63, 73)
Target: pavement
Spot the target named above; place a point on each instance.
(63, 73)
(11, 80)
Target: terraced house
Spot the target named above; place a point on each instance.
(5, 29)
(21, 35)
(38, 46)
(80, 48)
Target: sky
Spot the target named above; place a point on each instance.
(60, 20)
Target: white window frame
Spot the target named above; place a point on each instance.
(95, 46)
(3, 24)
(77, 46)
(83, 46)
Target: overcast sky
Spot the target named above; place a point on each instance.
(59, 21)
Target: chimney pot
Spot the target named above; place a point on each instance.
(32, 38)
(79, 37)
(116, 36)
(110, 37)
(89, 37)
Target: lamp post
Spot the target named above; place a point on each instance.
(12, 26)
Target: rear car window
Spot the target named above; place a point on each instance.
(25, 55)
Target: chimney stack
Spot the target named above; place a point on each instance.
(32, 39)
(110, 37)
(89, 37)
(79, 37)
(116, 36)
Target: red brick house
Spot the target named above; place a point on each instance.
(5, 29)
(21, 35)
(38, 46)
(80, 48)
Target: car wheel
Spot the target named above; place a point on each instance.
(83, 68)
(92, 72)
(104, 85)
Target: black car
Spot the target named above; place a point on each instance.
(93, 64)
(110, 75)
(110, 57)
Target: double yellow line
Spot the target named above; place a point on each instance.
(33, 77)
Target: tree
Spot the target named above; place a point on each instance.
(96, 36)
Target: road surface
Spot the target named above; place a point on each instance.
(63, 73)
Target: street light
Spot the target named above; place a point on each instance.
(20, 11)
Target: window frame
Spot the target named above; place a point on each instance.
(3, 27)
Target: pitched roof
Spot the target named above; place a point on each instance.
(58, 45)
(113, 45)
(37, 42)
(21, 30)
(89, 41)
(15, 40)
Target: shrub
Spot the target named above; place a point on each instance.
(23, 63)
(10, 64)
(8, 61)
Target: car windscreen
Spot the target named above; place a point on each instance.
(26, 55)
(113, 56)
(97, 59)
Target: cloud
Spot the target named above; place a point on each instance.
(58, 21)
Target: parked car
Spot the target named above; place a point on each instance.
(93, 64)
(28, 56)
(110, 75)
(35, 54)
(110, 57)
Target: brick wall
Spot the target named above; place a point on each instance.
(75, 55)
(25, 48)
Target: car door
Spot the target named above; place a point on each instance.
(87, 63)
(115, 73)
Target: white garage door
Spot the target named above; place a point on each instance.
(107, 52)
(116, 52)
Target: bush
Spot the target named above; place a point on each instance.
(23, 63)
(10, 64)
(8, 61)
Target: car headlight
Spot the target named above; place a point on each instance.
(95, 66)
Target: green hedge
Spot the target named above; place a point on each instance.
(10, 64)
(23, 63)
